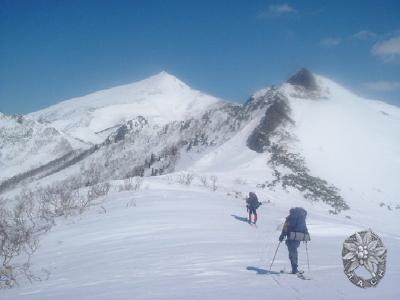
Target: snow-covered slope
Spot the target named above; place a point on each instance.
(159, 125)
(303, 143)
(175, 242)
(161, 98)
(352, 142)
(26, 144)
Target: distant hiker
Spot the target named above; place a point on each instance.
(295, 230)
(252, 205)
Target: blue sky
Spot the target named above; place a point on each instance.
(54, 50)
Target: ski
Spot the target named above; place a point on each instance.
(252, 224)
(299, 274)
(303, 277)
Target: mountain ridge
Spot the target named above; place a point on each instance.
(281, 124)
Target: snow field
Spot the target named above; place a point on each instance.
(175, 242)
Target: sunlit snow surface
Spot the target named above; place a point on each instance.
(161, 98)
(191, 243)
(26, 144)
(351, 142)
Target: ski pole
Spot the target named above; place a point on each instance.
(276, 251)
(308, 261)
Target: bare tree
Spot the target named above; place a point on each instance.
(132, 184)
(185, 178)
(214, 180)
(204, 180)
(92, 173)
(20, 229)
(98, 190)
(58, 200)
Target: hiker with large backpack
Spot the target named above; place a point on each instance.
(295, 230)
(252, 205)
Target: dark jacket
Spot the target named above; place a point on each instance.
(252, 201)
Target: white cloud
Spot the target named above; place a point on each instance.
(364, 35)
(277, 10)
(330, 42)
(383, 86)
(388, 50)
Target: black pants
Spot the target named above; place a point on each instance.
(252, 210)
(293, 256)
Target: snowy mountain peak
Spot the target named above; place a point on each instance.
(163, 80)
(305, 79)
(160, 98)
(303, 84)
(164, 75)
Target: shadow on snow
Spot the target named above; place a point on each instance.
(262, 271)
(240, 218)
